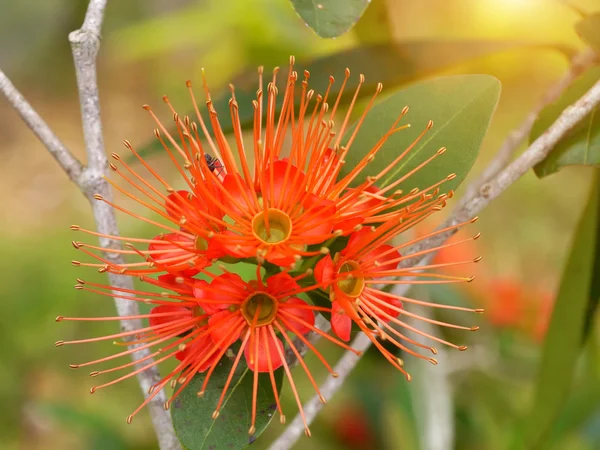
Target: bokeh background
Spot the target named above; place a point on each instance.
(149, 48)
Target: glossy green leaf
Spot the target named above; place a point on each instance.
(563, 343)
(330, 18)
(581, 146)
(392, 64)
(589, 30)
(192, 415)
(461, 108)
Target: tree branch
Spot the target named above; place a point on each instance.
(580, 63)
(85, 44)
(468, 207)
(431, 390)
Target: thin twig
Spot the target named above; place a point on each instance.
(85, 44)
(535, 153)
(580, 63)
(63, 156)
(467, 208)
(431, 391)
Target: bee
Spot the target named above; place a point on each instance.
(213, 164)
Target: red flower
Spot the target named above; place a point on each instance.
(355, 278)
(177, 329)
(275, 202)
(277, 219)
(289, 193)
(260, 315)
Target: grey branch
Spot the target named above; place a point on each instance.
(468, 207)
(580, 63)
(431, 390)
(85, 44)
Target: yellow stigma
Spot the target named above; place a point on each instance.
(266, 305)
(351, 284)
(275, 228)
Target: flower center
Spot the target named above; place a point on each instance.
(351, 284)
(262, 304)
(272, 227)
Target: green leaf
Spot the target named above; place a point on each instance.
(192, 415)
(392, 64)
(589, 30)
(330, 18)
(563, 343)
(461, 108)
(581, 145)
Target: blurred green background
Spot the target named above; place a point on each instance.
(149, 48)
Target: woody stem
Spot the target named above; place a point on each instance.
(85, 44)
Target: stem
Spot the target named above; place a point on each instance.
(85, 44)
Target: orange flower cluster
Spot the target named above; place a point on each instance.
(280, 203)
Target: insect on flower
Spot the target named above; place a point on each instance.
(214, 164)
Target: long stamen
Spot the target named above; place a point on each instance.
(291, 380)
(300, 360)
(272, 376)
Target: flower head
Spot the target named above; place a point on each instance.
(280, 203)
(276, 200)
(262, 316)
(356, 279)
(197, 323)
(177, 329)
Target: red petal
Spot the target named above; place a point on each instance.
(214, 250)
(324, 271)
(284, 185)
(211, 201)
(221, 327)
(198, 350)
(229, 246)
(235, 202)
(281, 285)
(184, 203)
(340, 322)
(178, 204)
(358, 241)
(169, 281)
(221, 293)
(258, 361)
(304, 314)
(281, 258)
(368, 203)
(175, 310)
(348, 225)
(385, 261)
(173, 245)
(390, 301)
(320, 214)
(327, 155)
